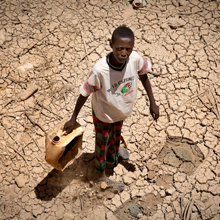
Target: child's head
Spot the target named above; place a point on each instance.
(122, 32)
(122, 44)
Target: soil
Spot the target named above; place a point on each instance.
(47, 50)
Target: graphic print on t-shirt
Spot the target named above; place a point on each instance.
(125, 87)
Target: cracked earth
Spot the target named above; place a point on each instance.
(173, 169)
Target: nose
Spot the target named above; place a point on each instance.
(124, 53)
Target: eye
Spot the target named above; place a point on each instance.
(119, 48)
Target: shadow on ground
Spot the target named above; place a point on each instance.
(79, 172)
(56, 181)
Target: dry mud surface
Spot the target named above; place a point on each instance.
(173, 162)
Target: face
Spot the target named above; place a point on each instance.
(122, 49)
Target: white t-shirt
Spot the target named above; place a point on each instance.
(114, 91)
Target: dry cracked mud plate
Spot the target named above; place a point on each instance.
(183, 154)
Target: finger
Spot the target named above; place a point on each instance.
(64, 127)
(152, 113)
(63, 133)
(68, 131)
(156, 116)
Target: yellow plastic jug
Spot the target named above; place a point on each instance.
(61, 149)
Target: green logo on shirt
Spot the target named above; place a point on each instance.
(126, 88)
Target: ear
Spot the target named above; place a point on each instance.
(110, 43)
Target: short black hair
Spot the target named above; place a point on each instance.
(123, 32)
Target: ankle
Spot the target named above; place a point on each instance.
(100, 176)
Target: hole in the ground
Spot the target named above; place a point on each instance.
(182, 154)
(147, 204)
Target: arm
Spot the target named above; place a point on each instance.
(154, 109)
(69, 125)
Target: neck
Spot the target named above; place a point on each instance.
(113, 62)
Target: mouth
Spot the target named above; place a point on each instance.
(122, 60)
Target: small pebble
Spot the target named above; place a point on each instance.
(103, 185)
(20, 181)
(99, 195)
(139, 215)
(91, 183)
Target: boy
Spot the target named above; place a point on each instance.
(113, 82)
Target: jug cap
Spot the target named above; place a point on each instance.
(56, 139)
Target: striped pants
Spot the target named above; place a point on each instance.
(107, 142)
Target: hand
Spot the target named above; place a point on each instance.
(68, 127)
(154, 110)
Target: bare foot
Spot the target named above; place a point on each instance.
(99, 177)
